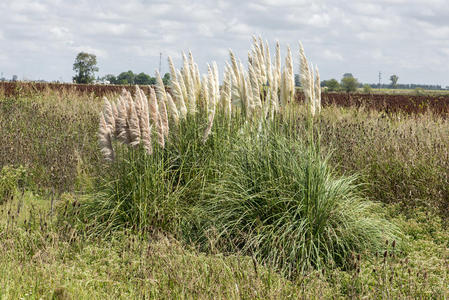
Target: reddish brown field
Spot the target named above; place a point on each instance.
(411, 104)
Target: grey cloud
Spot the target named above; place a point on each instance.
(409, 38)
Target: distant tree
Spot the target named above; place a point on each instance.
(14, 77)
(331, 84)
(111, 78)
(166, 79)
(394, 80)
(367, 89)
(85, 66)
(142, 79)
(349, 83)
(346, 75)
(126, 77)
(297, 80)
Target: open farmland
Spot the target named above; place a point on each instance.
(224, 191)
(404, 102)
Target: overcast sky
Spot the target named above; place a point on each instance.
(410, 38)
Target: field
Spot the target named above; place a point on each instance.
(406, 101)
(52, 184)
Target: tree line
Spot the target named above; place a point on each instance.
(85, 67)
(133, 78)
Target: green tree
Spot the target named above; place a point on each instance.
(349, 83)
(332, 85)
(142, 79)
(85, 66)
(126, 77)
(297, 80)
(394, 80)
(367, 89)
(166, 79)
(111, 78)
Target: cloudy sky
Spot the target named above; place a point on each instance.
(39, 39)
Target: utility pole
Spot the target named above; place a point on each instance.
(380, 77)
(160, 62)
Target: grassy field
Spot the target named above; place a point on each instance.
(52, 190)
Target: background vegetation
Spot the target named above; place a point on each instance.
(400, 160)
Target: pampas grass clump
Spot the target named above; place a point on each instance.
(280, 202)
(222, 166)
(259, 93)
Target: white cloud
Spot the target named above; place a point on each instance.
(410, 37)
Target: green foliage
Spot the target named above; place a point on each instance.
(260, 190)
(42, 259)
(11, 179)
(166, 79)
(419, 91)
(367, 89)
(111, 78)
(126, 77)
(349, 84)
(394, 80)
(49, 134)
(282, 203)
(85, 67)
(144, 79)
(332, 85)
(401, 161)
(132, 78)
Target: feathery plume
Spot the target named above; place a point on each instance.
(225, 95)
(255, 87)
(172, 68)
(114, 112)
(108, 114)
(284, 89)
(155, 117)
(176, 89)
(317, 90)
(211, 108)
(277, 67)
(205, 92)
(306, 79)
(172, 108)
(289, 76)
(145, 127)
(235, 67)
(191, 105)
(268, 64)
(161, 96)
(182, 104)
(105, 140)
(133, 122)
(121, 122)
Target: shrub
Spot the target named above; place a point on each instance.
(11, 179)
(279, 201)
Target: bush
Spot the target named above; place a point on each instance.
(155, 192)
(249, 187)
(11, 179)
(282, 203)
(367, 89)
